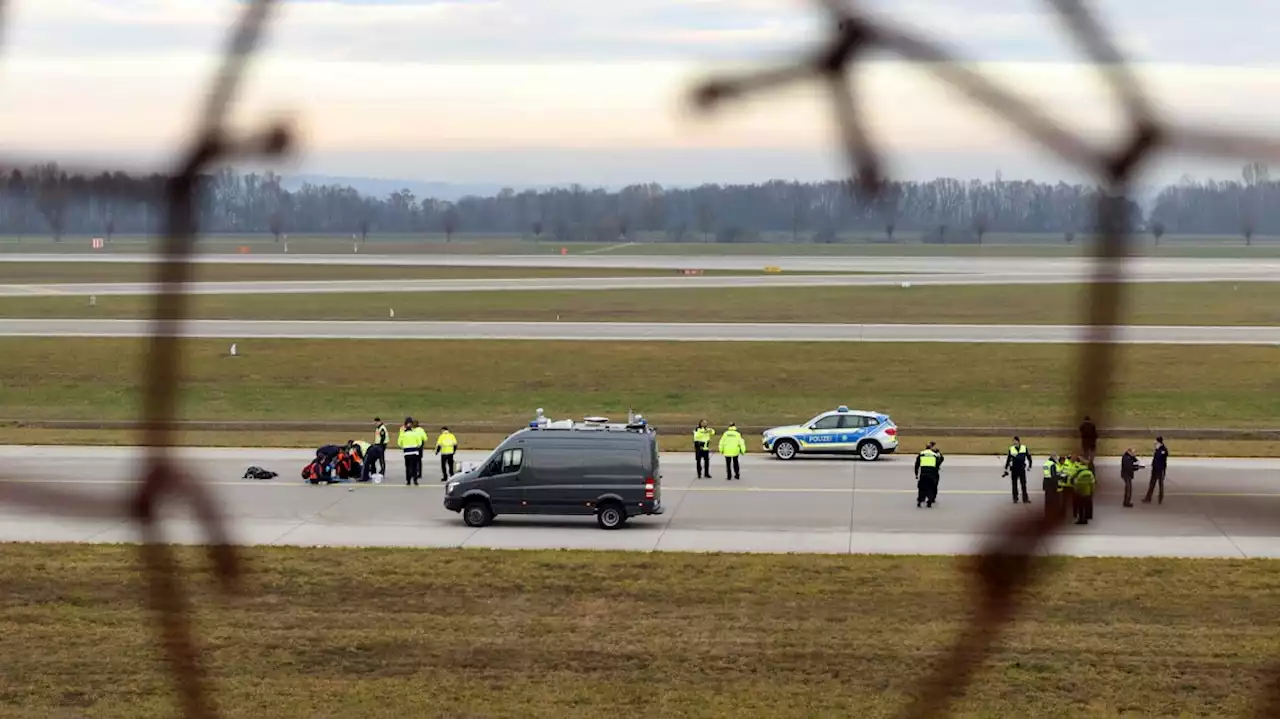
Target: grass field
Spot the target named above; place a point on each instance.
(1245, 303)
(567, 635)
(864, 244)
(972, 385)
(671, 442)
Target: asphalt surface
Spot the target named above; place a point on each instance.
(1263, 268)
(647, 331)
(1212, 508)
(894, 271)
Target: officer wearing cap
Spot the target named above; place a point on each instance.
(411, 441)
(702, 449)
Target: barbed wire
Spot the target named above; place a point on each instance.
(1006, 568)
(1001, 573)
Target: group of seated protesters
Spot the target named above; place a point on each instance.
(359, 461)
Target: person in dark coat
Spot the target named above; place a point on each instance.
(1128, 468)
(1159, 464)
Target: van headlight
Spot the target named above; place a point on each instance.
(448, 488)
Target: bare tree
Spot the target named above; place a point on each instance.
(706, 220)
(1247, 229)
(537, 230)
(980, 225)
(275, 225)
(624, 227)
(450, 223)
(1157, 231)
(52, 201)
(364, 230)
(888, 231)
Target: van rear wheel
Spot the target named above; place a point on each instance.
(477, 513)
(611, 516)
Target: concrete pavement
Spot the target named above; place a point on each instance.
(893, 272)
(1213, 508)
(1262, 267)
(646, 331)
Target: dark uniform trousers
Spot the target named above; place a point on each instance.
(927, 485)
(1157, 478)
(375, 458)
(382, 457)
(412, 465)
(446, 465)
(732, 468)
(702, 459)
(1051, 497)
(1018, 478)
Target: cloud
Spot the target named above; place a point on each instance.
(534, 77)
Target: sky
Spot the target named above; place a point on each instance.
(536, 92)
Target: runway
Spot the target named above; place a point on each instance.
(645, 331)
(893, 272)
(1263, 268)
(1213, 508)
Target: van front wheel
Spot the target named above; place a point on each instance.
(477, 513)
(611, 516)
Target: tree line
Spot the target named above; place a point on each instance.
(46, 199)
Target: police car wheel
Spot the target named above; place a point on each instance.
(869, 451)
(785, 449)
(611, 516)
(477, 514)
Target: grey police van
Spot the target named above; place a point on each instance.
(564, 468)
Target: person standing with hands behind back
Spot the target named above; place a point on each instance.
(411, 441)
(732, 446)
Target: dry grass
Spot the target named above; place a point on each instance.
(469, 633)
(995, 446)
(765, 383)
(1223, 303)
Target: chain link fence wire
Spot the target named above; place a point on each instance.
(1000, 574)
(1006, 568)
(162, 478)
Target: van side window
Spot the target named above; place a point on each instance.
(511, 460)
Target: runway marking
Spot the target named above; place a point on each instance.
(744, 490)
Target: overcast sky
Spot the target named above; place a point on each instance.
(591, 91)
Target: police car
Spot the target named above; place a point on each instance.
(843, 431)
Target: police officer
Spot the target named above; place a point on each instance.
(1159, 463)
(1050, 486)
(380, 439)
(1128, 468)
(1083, 481)
(702, 436)
(411, 441)
(928, 468)
(1067, 490)
(1016, 463)
(374, 457)
(359, 451)
(732, 446)
(446, 445)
